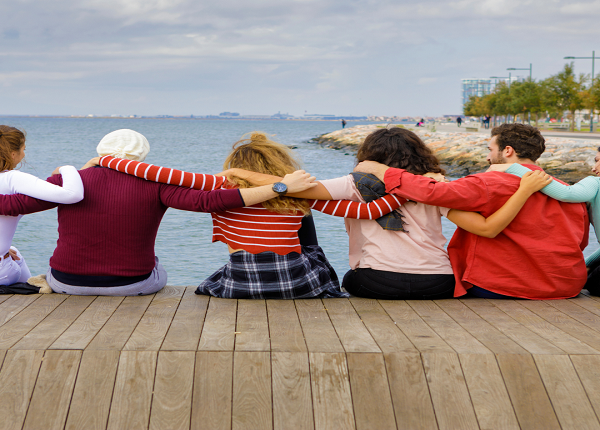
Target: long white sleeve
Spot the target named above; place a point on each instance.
(24, 183)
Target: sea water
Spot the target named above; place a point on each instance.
(183, 243)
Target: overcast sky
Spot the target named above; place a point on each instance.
(350, 57)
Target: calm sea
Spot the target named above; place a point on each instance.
(183, 243)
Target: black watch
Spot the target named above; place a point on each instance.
(280, 188)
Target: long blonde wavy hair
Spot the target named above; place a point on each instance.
(260, 154)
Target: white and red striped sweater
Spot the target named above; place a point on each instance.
(254, 229)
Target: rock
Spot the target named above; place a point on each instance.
(462, 154)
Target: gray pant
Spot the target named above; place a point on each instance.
(156, 282)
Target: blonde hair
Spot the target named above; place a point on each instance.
(260, 154)
(11, 140)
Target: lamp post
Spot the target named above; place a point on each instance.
(530, 69)
(593, 58)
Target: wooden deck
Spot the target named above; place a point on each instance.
(180, 361)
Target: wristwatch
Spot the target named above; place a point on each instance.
(280, 188)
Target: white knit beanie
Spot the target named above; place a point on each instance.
(124, 144)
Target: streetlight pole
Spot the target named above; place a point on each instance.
(530, 69)
(593, 58)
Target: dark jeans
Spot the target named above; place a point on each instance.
(379, 284)
(593, 281)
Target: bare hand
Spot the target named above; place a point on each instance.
(437, 176)
(534, 181)
(372, 167)
(56, 171)
(499, 167)
(13, 254)
(299, 181)
(93, 162)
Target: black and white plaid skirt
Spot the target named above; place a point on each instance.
(272, 276)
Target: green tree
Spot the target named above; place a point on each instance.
(566, 90)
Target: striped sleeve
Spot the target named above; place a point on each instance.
(163, 175)
(349, 209)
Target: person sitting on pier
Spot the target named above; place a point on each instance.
(406, 261)
(585, 191)
(106, 242)
(268, 259)
(13, 268)
(538, 256)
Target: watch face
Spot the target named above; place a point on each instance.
(279, 187)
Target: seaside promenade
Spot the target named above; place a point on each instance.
(175, 360)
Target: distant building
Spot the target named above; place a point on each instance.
(475, 87)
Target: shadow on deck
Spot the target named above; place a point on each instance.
(175, 360)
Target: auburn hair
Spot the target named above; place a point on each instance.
(260, 154)
(11, 140)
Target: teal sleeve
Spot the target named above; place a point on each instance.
(583, 191)
(592, 258)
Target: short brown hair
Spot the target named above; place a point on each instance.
(11, 140)
(400, 148)
(527, 141)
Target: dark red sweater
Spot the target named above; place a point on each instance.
(111, 232)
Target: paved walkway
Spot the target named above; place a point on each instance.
(175, 360)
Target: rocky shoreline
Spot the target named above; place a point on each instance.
(465, 153)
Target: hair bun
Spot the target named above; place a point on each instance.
(258, 137)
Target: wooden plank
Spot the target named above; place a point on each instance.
(318, 331)
(15, 304)
(527, 393)
(571, 308)
(384, 331)
(82, 331)
(488, 392)
(21, 324)
(5, 297)
(184, 333)
(535, 323)
(454, 335)
(371, 397)
(211, 407)
(130, 407)
(47, 331)
(566, 393)
(93, 390)
(52, 394)
(349, 327)
(252, 328)
(588, 370)
(332, 400)
(218, 333)
(410, 393)
(449, 393)
(152, 328)
(529, 340)
(2, 355)
(252, 403)
(416, 330)
(120, 325)
(292, 401)
(17, 380)
(479, 328)
(284, 327)
(172, 401)
(565, 323)
(586, 302)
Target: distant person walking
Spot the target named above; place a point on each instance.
(458, 121)
(486, 121)
(343, 123)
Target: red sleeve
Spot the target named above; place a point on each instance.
(163, 175)
(20, 204)
(349, 209)
(468, 194)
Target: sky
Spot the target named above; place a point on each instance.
(351, 57)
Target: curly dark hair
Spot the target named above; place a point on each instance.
(400, 148)
(527, 141)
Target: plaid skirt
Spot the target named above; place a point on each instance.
(272, 276)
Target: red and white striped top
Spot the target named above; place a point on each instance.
(253, 228)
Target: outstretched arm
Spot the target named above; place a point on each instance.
(349, 209)
(491, 226)
(70, 192)
(581, 192)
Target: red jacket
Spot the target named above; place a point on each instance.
(538, 256)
